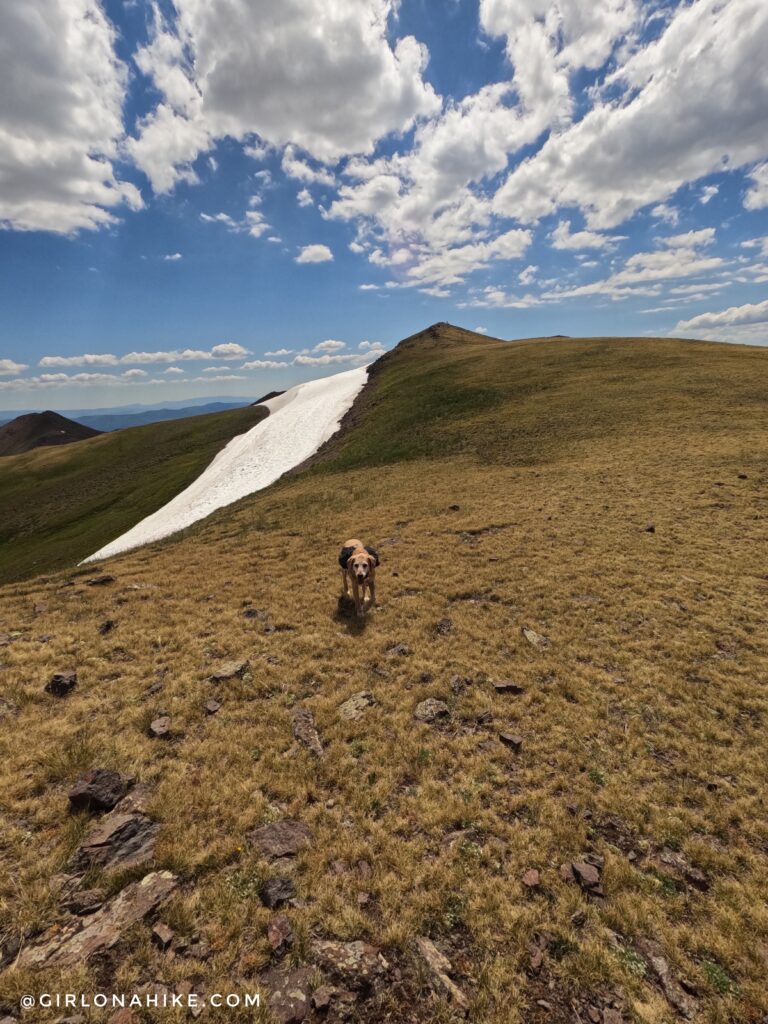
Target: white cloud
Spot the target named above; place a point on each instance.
(280, 352)
(666, 212)
(527, 276)
(227, 350)
(317, 74)
(451, 266)
(297, 168)
(757, 196)
(61, 97)
(481, 330)
(689, 239)
(135, 374)
(263, 364)
(326, 359)
(751, 313)
(173, 371)
(330, 345)
(371, 346)
(253, 223)
(304, 197)
(707, 193)
(690, 98)
(314, 254)
(173, 257)
(564, 238)
(9, 367)
(368, 287)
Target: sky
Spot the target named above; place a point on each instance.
(225, 197)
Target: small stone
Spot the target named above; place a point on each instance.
(531, 878)
(61, 684)
(84, 902)
(321, 997)
(444, 627)
(356, 963)
(743, 476)
(454, 508)
(363, 899)
(276, 891)
(280, 838)
(611, 1016)
(212, 706)
(537, 640)
(650, 528)
(398, 651)
(594, 1014)
(98, 789)
(587, 875)
(160, 727)
(355, 707)
(100, 581)
(506, 686)
(162, 935)
(289, 994)
(229, 670)
(107, 626)
(280, 933)
(305, 732)
(579, 919)
(430, 710)
(512, 741)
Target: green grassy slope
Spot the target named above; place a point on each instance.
(59, 505)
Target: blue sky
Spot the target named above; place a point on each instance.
(189, 188)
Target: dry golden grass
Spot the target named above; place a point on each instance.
(652, 693)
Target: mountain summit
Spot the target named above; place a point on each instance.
(41, 429)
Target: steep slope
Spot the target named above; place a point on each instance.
(39, 430)
(58, 505)
(581, 520)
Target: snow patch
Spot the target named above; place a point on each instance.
(299, 422)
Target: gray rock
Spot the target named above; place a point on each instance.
(119, 840)
(430, 710)
(98, 789)
(537, 640)
(512, 741)
(439, 968)
(289, 994)
(355, 707)
(276, 891)
(305, 732)
(212, 706)
(280, 933)
(670, 986)
(162, 935)
(229, 670)
(280, 838)
(76, 944)
(357, 964)
(160, 727)
(61, 684)
(84, 901)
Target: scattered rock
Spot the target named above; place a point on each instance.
(276, 891)
(650, 528)
(305, 732)
(280, 933)
(531, 879)
(121, 839)
(280, 838)
(439, 967)
(354, 708)
(107, 626)
(229, 670)
(212, 706)
(611, 1016)
(454, 508)
(506, 686)
(512, 741)
(98, 789)
(357, 964)
(398, 651)
(321, 997)
(69, 947)
(100, 581)
(537, 640)
(444, 627)
(84, 901)
(659, 966)
(160, 727)
(61, 684)
(587, 873)
(162, 935)
(430, 710)
(289, 994)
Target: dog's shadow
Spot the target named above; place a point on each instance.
(345, 614)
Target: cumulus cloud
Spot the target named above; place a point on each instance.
(8, 367)
(331, 345)
(314, 254)
(751, 313)
(227, 350)
(280, 352)
(687, 100)
(61, 97)
(264, 364)
(304, 197)
(320, 75)
(564, 238)
(252, 223)
(173, 257)
(757, 196)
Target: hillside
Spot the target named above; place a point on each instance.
(39, 430)
(58, 505)
(529, 782)
(119, 421)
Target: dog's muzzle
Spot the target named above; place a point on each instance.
(360, 577)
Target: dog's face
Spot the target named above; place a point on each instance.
(360, 567)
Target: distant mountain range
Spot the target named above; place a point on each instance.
(138, 415)
(41, 429)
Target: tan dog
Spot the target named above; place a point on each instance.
(358, 564)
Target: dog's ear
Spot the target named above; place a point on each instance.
(373, 560)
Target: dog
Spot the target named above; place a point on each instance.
(358, 564)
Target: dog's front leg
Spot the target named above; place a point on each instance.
(356, 595)
(372, 589)
(345, 582)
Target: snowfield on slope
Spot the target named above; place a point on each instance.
(299, 422)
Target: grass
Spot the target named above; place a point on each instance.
(643, 722)
(59, 505)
